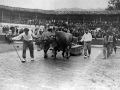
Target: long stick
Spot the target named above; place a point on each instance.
(17, 52)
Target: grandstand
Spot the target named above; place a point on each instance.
(37, 16)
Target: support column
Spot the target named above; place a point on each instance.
(36, 20)
(2, 16)
(83, 19)
(100, 19)
(19, 18)
(67, 18)
(52, 18)
(118, 22)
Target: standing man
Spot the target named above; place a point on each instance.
(105, 45)
(114, 42)
(87, 39)
(38, 40)
(27, 37)
(9, 36)
(110, 40)
(109, 44)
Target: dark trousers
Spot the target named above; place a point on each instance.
(31, 49)
(108, 49)
(87, 48)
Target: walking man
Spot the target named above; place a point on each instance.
(114, 42)
(87, 39)
(105, 43)
(27, 37)
(110, 39)
(38, 40)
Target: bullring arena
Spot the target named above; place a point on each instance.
(76, 73)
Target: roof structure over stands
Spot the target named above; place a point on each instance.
(59, 12)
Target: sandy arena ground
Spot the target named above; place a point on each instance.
(76, 73)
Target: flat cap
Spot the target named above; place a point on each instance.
(26, 29)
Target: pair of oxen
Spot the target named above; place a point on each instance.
(60, 41)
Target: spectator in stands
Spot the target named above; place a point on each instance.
(5, 29)
(16, 30)
(13, 30)
(8, 36)
(21, 31)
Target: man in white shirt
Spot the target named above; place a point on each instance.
(27, 37)
(87, 39)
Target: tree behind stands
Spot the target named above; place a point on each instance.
(113, 5)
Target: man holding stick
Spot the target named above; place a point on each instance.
(27, 37)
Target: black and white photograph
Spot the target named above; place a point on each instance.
(59, 44)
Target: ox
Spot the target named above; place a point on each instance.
(61, 41)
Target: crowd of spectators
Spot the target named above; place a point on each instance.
(14, 29)
(96, 28)
(11, 31)
(77, 28)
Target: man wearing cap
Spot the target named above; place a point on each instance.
(27, 37)
(87, 39)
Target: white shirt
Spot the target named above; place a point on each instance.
(86, 37)
(24, 36)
